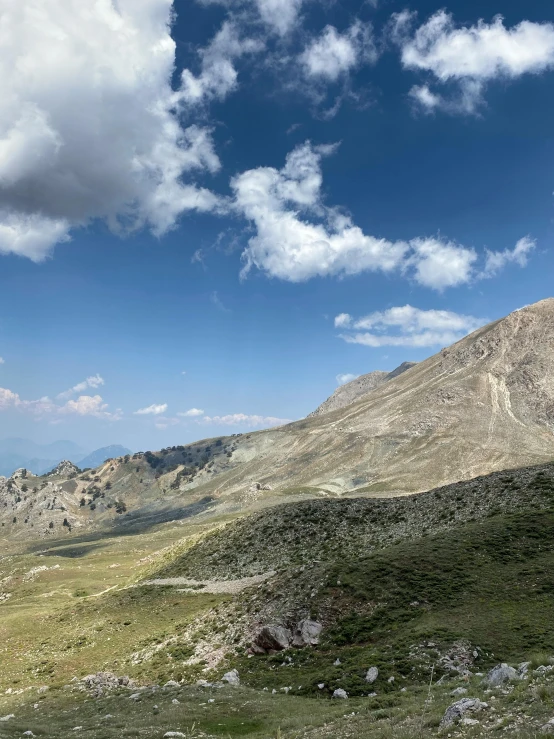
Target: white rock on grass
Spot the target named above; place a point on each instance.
(501, 674)
(172, 684)
(459, 691)
(176, 734)
(8, 717)
(231, 677)
(457, 710)
(340, 693)
(371, 675)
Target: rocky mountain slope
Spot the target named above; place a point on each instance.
(352, 391)
(484, 404)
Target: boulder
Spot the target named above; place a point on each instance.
(273, 637)
(306, 633)
(8, 717)
(457, 710)
(172, 684)
(371, 675)
(340, 693)
(500, 674)
(231, 677)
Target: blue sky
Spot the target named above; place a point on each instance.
(224, 216)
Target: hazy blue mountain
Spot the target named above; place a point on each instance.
(41, 458)
(101, 455)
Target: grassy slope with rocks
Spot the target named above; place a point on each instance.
(421, 587)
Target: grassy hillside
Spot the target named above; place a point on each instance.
(431, 589)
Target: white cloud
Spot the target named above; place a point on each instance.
(87, 405)
(333, 54)
(409, 326)
(2, 360)
(152, 410)
(91, 382)
(88, 123)
(343, 320)
(471, 56)
(497, 260)
(343, 379)
(279, 16)
(297, 237)
(238, 419)
(191, 413)
(84, 405)
(218, 76)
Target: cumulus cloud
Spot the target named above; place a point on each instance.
(218, 76)
(192, 413)
(298, 237)
(84, 405)
(88, 123)
(343, 379)
(152, 410)
(239, 419)
(332, 54)
(470, 56)
(91, 382)
(497, 260)
(407, 326)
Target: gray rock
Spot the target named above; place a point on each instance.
(307, 633)
(172, 684)
(135, 697)
(175, 734)
(337, 662)
(340, 693)
(8, 717)
(457, 710)
(548, 727)
(273, 637)
(459, 691)
(231, 677)
(500, 674)
(371, 675)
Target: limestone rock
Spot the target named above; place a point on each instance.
(371, 675)
(273, 637)
(231, 677)
(457, 710)
(306, 633)
(501, 674)
(340, 693)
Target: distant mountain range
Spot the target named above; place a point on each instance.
(41, 458)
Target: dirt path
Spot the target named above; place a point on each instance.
(212, 586)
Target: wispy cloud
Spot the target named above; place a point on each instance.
(407, 326)
(343, 379)
(216, 300)
(242, 419)
(152, 410)
(191, 413)
(93, 381)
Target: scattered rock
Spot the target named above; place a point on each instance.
(135, 697)
(306, 633)
(175, 701)
(231, 677)
(500, 674)
(174, 734)
(273, 637)
(340, 693)
(100, 682)
(371, 675)
(321, 685)
(457, 710)
(172, 684)
(459, 691)
(27, 733)
(548, 728)
(8, 717)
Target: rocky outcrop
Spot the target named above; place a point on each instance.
(458, 710)
(501, 674)
(276, 638)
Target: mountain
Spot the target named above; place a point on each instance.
(99, 456)
(39, 458)
(351, 391)
(484, 404)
